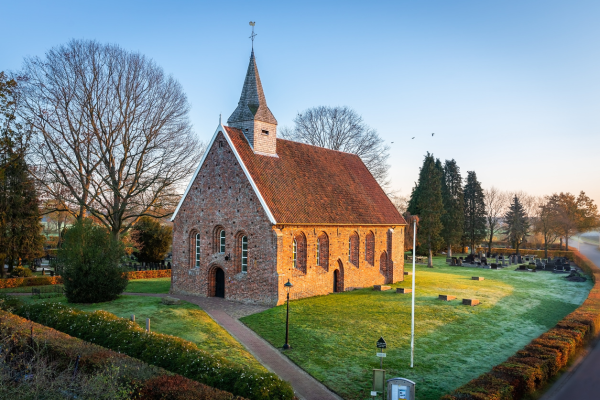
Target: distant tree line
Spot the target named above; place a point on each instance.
(452, 214)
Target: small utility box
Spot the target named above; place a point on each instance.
(400, 388)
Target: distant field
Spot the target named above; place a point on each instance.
(333, 337)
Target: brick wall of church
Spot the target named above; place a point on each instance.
(312, 279)
(221, 197)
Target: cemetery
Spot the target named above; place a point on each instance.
(477, 325)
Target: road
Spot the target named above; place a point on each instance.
(582, 381)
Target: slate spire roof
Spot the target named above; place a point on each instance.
(252, 104)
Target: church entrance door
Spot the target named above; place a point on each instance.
(219, 283)
(336, 274)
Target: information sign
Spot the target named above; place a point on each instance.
(381, 343)
(380, 354)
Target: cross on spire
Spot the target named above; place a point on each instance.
(253, 34)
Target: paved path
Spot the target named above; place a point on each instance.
(582, 380)
(226, 313)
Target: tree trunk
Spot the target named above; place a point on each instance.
(560, 248)
(449, 250)
(566, 243)
(545, 247)
(430, 256)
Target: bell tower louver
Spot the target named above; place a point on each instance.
(253, 116)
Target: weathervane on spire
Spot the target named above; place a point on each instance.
(253, 34)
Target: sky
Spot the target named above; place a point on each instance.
(511, 89)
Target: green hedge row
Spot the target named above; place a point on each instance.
(542, 359)
(169, 352)
(150, 382)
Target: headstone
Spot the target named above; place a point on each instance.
(407, 273)
(470, 302)
(169, 265)
(477, 278)
(381, 288)
(446, 297)
(403, 290)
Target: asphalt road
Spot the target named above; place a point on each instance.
(582, 382)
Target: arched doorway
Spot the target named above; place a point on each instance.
(216, 282)
(336, 274)
(219, 283)
(338, 277)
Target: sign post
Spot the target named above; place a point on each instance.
(379, 374)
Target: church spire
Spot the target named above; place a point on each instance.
(252, 104)
(252, 114)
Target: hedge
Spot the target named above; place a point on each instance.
(538, 253)
(153, 382)
(55, 280)
(32, 281)
(157, 273)
(171, 353)
(531, 368)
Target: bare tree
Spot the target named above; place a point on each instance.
(495, 204)
(113, 132)
(546, 224)
(341, 128)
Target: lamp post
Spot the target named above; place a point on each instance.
(286, 346)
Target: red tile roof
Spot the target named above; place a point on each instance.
(312, 185)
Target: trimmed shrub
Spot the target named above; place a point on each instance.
(169, 352)
(21, 272)
(62, 350)
(158, 273)
(542, 359)
(33, 281)
(89, 260)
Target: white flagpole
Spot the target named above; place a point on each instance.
(412, 323)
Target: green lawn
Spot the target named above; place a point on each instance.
(153, 285)
(333, 337)
(186, 321)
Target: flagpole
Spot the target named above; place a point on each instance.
(412, 323)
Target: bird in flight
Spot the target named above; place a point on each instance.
(432, 134)
(413, 137)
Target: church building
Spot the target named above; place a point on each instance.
(260, 211)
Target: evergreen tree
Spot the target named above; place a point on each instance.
(453, 219)
(20, 228)
(153, 238)
(426, 202)
(475, 224)
(517, 224)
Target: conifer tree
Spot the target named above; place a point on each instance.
(517, 224)
(453, 219)
(20, 228)
(426, 202)
(475, 228)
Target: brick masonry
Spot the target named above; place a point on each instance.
(222, 198)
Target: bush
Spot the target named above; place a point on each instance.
(169, 352)
(102, 373)
(21, 272)
(153, 238)
(33, 281)
(89, 260)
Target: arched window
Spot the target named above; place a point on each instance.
(323, 250)
(295, 253)
(370, 248)
(299, 252)
(197, 252)
(353, 249)
(244, 253)
(222, 241)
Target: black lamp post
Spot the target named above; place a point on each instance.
(288, 286)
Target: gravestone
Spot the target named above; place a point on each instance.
(446, 297)
(477, 278)
(381, 288)
(403, 290)
(470, 302)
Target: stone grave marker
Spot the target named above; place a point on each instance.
(470, 302)
(446, 297)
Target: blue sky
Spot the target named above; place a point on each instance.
(510, 88)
